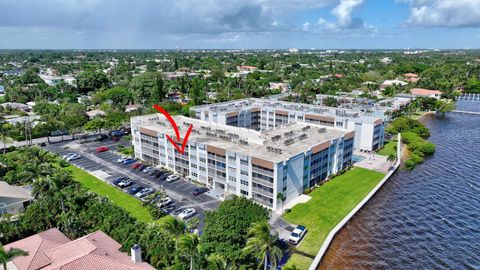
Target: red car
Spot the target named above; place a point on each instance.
(136, 165)
(102, 149)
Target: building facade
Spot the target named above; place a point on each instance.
(246, 162)
(264, 114)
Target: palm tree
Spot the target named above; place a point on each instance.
(263, 245)
(188, 247)
(215, 261)
(6, 256)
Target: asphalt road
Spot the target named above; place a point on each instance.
(105, 166)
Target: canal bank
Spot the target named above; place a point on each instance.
(331, 235)
(426, 218)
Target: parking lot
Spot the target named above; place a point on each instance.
(105, 166)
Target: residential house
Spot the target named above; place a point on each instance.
(13, 199)
(420, 92)
(95, 113)
(52, 250)
(387, 83)
(411, 77)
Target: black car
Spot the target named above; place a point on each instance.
(157, 174)
(152, 172)
(164, 176)
(118, 180)
(135, 189)
(199, 191)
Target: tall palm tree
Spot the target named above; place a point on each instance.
(6, 256)
(263, 245)
(188, 247)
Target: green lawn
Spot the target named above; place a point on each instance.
(329, 204)
(389, 149)
(118, 197)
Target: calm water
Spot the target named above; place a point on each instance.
(428, 218)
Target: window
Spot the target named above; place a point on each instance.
(203, 160)
(243, 162)
(243, 182)
(243, 172)
(202, 169)
(232, 178)
(244, 192)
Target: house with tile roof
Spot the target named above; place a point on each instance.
(420, 92)
(52, 250)
(13, 199)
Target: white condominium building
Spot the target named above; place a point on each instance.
(246, 162)
(265, 114)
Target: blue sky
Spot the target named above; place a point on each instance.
(190, 24)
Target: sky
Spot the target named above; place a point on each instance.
(239, 24)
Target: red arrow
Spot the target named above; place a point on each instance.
(177, 133)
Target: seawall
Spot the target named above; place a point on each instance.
(336, 229)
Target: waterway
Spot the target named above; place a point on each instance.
(428, 218)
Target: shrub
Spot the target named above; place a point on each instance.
(416, 158)
(409, 164)
(428, 148)
(307, 190)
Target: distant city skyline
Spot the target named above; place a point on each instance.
(240, 24)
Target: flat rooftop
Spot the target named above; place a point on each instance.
(272, 145)
(249, 103)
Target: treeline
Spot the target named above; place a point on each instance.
(413, 134)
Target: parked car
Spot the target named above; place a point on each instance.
(141, 167)
(169, 209)
(122, 159)
(73, 157)
(187, 213)
(148, 169)
(144, 192)
(199, 191)
(125, 183)
(172, 178)
(136, 165)
(118, 180)
(297, 234)
(67, 155)
(134, 190)
(102, 149)
(164, 202)
(157, 173)
(152, 172)
(164, 176)
(128, 161)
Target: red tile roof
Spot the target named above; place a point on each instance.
(95, 251)
(36, 245)
(424, 92)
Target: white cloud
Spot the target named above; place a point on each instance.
(343, 12)
(444, 13)
(306, 26)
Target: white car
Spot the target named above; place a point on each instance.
(144, 192)
(121, 159)
(187, 213)
(67, 155)
(297, 234)
(74, 156)
(125, 183)
(172, 178)
(148, 169)
(164, 202)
